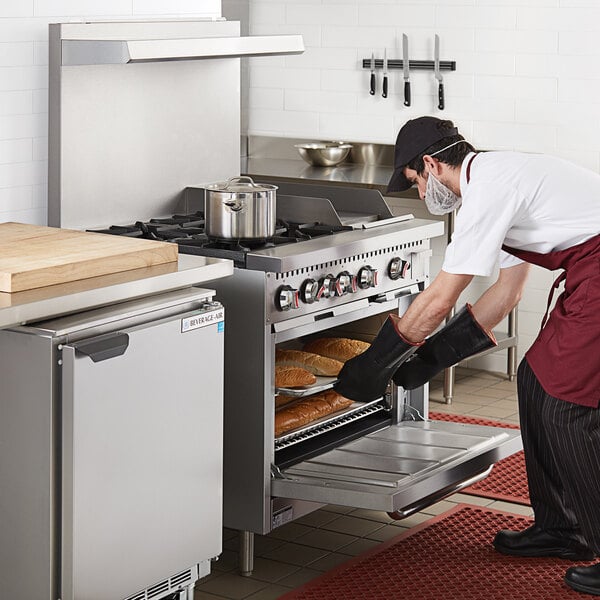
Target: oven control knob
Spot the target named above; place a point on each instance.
(345, 283)
(309, 291)
(367, 277)
(398, 268)
(286, 298)
(326, 287)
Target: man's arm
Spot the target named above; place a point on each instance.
(432, 306)
(500, 298)
(469, 330)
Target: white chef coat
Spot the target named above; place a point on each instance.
(530, 202)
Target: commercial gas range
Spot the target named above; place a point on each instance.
(340, 262)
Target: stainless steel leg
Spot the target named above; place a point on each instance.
(189, 593)
(246, 553)
(449, 374)
(511, 367)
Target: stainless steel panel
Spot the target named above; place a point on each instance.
(27, 468)
(380, 471)
(142, 460)
(400, 467)
(114, 156)
(374, 445)
(249, 404)
(269, 147)
(306, 325)
(349, 200)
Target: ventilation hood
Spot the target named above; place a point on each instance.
(111, 51)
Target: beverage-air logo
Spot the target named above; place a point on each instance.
(202, 319)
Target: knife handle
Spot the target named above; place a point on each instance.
(372, 90)
(384, 93)
(407, 93)
(441, 96)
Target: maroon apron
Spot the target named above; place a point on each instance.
(565, 356)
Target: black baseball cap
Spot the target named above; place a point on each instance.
(413, 139)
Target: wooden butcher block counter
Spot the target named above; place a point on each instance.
(33, 256)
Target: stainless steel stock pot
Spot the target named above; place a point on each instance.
(240, 209)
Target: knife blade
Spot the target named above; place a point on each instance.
(372, 80)
(438, 74)
(406, 68)
(384, 92)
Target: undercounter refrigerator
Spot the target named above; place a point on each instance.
(111, 450)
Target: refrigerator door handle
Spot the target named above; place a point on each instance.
(103, 347)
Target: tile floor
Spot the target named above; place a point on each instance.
(308, 547)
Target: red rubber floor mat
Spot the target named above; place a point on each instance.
(449, 557)
(508, 479)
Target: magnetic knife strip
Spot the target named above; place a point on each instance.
(445, 65)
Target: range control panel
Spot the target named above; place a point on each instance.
(315, 288)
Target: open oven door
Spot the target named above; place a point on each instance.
(401, 468)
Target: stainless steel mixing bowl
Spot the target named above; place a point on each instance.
(324, 154)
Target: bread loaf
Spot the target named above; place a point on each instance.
(281, 400)
(341, 349)
(286, 376)
(318, 365)
(307, 410)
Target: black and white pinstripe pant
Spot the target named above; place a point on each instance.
(562, 454)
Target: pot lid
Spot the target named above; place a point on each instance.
(240, 185)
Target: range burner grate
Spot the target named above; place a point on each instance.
(188, 232)
(189, 220)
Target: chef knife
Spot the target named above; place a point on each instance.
(406, 68)
(372, 82)
(384, 92)
(438, 75)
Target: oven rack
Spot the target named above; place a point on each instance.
(358, 410)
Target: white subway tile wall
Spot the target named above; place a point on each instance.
(24, 87)
(526, 79)
(526, 75)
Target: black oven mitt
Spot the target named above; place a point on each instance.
(460, 338)
(366, 376)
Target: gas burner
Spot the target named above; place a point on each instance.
(239, 245)
(188, 232)
(126, 230)
(149, 230)
(189, 220)
(307, 231)
(318, 229)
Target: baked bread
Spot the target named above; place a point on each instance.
(281, 400)
(290, 377)
(341, 349)
(318, 365)
(307, 410)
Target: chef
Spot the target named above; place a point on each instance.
(515, 209)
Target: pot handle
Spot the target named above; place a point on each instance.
(234, 205)
(243, 178)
